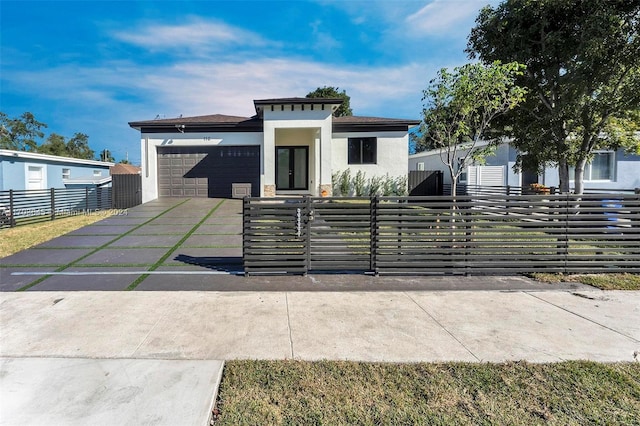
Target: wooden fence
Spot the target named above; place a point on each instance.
(479, 234)
(22, 207)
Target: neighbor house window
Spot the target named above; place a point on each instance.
(362, 150)
(601, 167)
(66, 173)
(420, 166)
(97, 172)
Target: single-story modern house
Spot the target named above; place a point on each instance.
(291, 146)
(21, 170)
(608, 170)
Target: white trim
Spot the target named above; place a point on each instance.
(87, 181)
(437, 151)
(47, 157)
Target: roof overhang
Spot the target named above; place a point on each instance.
(89, 180)
(54, 158)
(330, 104)
(199, 125)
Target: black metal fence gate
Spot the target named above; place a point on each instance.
(127, 190)
(444, 235)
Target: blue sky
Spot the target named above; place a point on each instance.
(93, 66)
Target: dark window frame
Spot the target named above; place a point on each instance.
(357, 154)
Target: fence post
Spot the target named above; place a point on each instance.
(373, 234)
(245, 219)
(12, 218)
(53, 204)
(308, 214)
(565, 240)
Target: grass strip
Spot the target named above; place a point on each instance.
(452, 393)
(68, 265)
(616, 281)
(16, 239)
(160, 261)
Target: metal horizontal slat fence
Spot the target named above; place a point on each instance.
(274, 239)
(487, 234)
(339, 234)
(23, 207)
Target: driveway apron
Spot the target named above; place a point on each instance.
(155, 243)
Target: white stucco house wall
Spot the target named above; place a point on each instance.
(291, 146)
(609, 169)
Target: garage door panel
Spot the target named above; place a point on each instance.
(207, 171)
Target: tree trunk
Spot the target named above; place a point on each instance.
(579, 176)
(454, 184)
(563, 176)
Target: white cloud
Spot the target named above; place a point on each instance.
(194, 34)
(194, 88)
(198, 87)
(442, 17)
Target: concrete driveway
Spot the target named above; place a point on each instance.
(145, 248)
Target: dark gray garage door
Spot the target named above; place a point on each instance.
(207, 171)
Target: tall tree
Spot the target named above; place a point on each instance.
(54, 145)
(105, 155)
(78, 147)
(334, 92)
(459, 108)
(20, 133)
(583, 76)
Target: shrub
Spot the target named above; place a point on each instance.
(375, 185)
(345, 183)
(360, 184)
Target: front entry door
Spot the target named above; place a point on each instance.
(292, 167)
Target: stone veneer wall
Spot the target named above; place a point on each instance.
(269, 190)
(328, 188)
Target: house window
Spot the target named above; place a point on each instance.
(66, 173)
(362, 150)
(420, 166)
(601, 167)
(97, 172)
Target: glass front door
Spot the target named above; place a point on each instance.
(292, 167)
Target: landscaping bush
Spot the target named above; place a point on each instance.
(344, 185)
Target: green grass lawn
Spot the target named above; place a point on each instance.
(346, 393)
(13, 240)
(601, 281)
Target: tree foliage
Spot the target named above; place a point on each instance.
(54, 145)
(583, 76)
(334, 92)
(460, 106)
(20, 133)
(75, 147)
(78, 147)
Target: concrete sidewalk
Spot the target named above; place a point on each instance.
(156, 327)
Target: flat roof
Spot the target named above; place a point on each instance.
(56, 158)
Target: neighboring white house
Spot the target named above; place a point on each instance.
(21, 170)
(607, 170)
(291, 146)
